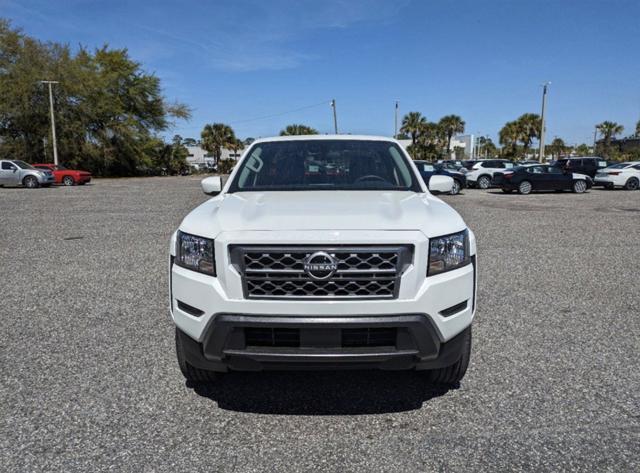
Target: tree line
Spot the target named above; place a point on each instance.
(109, 111)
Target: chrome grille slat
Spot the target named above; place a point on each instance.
(363, 272)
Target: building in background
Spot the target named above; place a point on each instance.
(199, 157)
(465, 143)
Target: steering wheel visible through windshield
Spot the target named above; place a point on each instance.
(324, 165)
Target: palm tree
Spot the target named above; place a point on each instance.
(297, 129)
(528, 126)
(509, 135)
(217, 136)
(452, 125)
(609, 130)
(411, 124)
(557, 147)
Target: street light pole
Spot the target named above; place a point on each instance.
(542, 130)
(53, 120)
(335, 116)
(395, 123)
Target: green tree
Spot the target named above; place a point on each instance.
(509, 136)
(451, 125)
(189, 142)
(412, 123)
(583, 150)
(107, 108)
(297, 129)
(608, 130)
(557, 148)
(217, 136)
(528, 126)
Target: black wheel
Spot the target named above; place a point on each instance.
(30, 182)
(68, 181)
(524, 187)
(579, 186)
(192, 374)
(453, 374)
(507, 191)
(484, 182)
(455, 190)
(632, 184)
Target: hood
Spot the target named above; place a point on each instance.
(323, 210)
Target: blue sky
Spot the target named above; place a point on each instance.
(233, 61)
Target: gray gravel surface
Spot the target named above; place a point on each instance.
(89, 380)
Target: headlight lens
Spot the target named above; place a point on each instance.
(448, 252)
(195, 253)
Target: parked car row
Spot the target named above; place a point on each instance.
(576, 174)
(18, 173)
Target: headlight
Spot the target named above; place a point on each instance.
(195, 253)
(448, 252)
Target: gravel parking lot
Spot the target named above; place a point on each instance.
(90, 381)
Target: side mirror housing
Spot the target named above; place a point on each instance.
(212, 185)
(440, 184)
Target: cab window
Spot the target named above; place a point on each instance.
(8, 166)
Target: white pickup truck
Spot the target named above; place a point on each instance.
(323, 252)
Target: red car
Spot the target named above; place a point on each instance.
(65, 176)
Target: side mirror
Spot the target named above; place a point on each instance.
(441, 184)
(212, 185)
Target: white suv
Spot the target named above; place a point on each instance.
(323, 252)
(481, 174)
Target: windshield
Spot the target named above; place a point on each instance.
(23, 165)
(324, 165)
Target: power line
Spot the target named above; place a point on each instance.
(264, 117)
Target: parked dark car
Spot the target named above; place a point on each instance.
(583, 165)
(541, 177)
(428, 169)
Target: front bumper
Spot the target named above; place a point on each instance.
(44, 180)
(211, 312)
(320, 344)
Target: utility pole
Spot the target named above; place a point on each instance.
(53, 120)
(542, 130)
(595, 137)
(395, 123)
(335, 116)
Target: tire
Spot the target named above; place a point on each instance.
(68, 181)
(192, 375)
(632, 184)
(484, 182)
(580, 186)
(455, 190)
(507, 191)
(30, 182)
(525, 188)
(453, 374)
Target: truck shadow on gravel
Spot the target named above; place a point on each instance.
(321, 392)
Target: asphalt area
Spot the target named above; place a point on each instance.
(89, 379)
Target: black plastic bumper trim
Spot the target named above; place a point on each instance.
(418, 344)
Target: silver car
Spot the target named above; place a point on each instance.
(19, 173)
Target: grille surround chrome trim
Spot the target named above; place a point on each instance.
(382, 274)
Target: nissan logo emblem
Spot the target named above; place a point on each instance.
(320, 265)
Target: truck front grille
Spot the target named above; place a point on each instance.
(362, 272)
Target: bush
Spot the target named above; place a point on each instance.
(225, 166)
